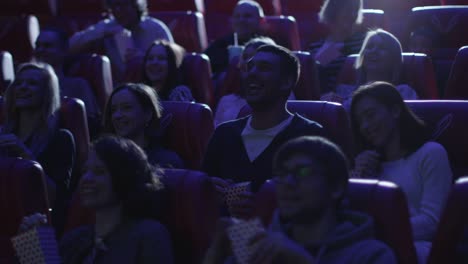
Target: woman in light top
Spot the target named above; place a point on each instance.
(394, 146)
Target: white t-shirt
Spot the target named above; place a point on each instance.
(256, 141)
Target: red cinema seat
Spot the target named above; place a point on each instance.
(382, 200)
(450, 229)
(332, 116)
(457, 83)
(449, 23)
(176, 5)
(96, 70)
(18, 35)
(450, 119)
(397, 13)
(196, 74)
(23, 191)
(417, 72)
(283, 30)
(307, 88)
(73, 118)
(189, 132)
(190, 215)
(7, 70)
(270, 7)
(187, 27)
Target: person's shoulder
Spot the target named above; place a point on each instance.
(372, 251)
(300, 121)
(432, 147)
(232, 124)
(148, 21)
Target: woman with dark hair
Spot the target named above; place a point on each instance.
(133, 111)
(161, 66)
(341, 18)
(30, 131)
(119, 184)
(380, 59)
(395, 147)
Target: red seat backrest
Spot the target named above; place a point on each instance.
(384, 201)
(73, 118)
(454, 118)
(196, 74)
(283, 30)
(7, 70)
(457, 83)
(307, 88)
(18, 35)
(189, 132)
(96, 70)
(454, 2)
(191, 213)
(23, 192)
(417, 72)
(270, 7)
(453, 221)
(176, 5)
(449, 22)
(187, 27)
(332, 116)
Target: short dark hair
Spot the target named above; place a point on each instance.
(326, 153)
(175, 56)
(290, 65)
(133, 178)
(413, 131)
(148, 99)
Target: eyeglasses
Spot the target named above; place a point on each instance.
(295, 176)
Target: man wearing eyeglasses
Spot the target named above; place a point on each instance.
(242, 150)
(311, 176)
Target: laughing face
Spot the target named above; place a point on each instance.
(96, 184)
(264, 80)
(377, 123)
(377, 56)
(157, 64)
(29, 89)
(127, 115)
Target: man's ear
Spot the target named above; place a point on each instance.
(338, 191)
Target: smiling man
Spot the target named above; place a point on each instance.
(242, 150)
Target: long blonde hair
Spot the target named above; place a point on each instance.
(392, 44)
(49, 108)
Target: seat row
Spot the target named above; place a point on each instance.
(191, 211)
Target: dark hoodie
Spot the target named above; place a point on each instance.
(351, 242)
